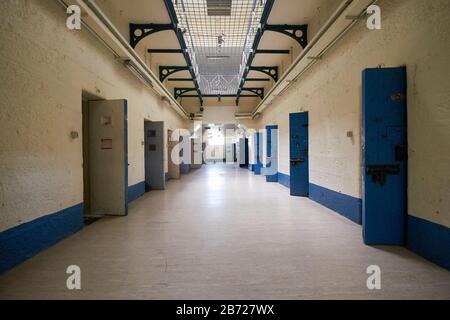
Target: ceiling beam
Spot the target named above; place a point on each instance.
(219, 96)
(257, 79)
(265, 16)
(260, 51)
(272, 51)
(164, 51)
(179, 34)
(180, 79)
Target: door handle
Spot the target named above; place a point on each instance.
(296, 161)
(380, 172)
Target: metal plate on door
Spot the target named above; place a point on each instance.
(380, 172)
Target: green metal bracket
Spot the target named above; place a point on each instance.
(297, 32)
(270, 71)
(257, 92)
(257, 79)
(180, 79)
(164, 50)
(165, 71)
(272, 51)
(140, 31)
(179, 92)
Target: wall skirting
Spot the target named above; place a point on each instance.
(430, 240)
(343, 204)
(348, 206)
(284, 180)
(135, 191)
(26, 240)
(272, 178)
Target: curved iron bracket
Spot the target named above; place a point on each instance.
(270, 71)
(165, 71)
(179, 92)
(140, 31)
(258, 92)
(297, 32)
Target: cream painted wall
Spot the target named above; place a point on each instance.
(44, 68)
(219, 114)
(415, 34)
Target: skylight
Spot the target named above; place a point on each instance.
(219, 35)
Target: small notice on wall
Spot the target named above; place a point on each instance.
(106, 144)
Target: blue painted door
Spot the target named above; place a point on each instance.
(299, 151)
(272, 154)
(384, 149)
(257, 167)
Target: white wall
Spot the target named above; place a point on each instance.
(44, 68)
(415, 34)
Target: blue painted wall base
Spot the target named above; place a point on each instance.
(26, 240)
(136, 191)
(427, 239)
(345, 205)
(430, 240)
(348, 206)
(272, 178)
(284, 180)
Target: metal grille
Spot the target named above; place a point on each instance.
(219, 7)
(219, 43)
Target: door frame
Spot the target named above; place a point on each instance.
(159, 162)
(269, 151)
(170, 164)
(303, 190)
(396, 234)
(258, 165)
(125, 153)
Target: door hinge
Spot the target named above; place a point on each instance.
(401, 152)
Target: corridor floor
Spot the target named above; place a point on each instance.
(223, 233)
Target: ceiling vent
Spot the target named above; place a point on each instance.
(219, 7)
